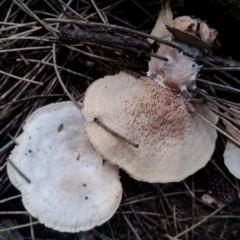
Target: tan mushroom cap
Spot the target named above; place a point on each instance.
(232, 153)
(71, 189)
(173, 143)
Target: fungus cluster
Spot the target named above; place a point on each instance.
(170, 143)
(148, 132)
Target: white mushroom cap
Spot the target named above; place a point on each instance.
(232, 158)
(178, 73)
(232, 153)
(71, 189)
(173, 143)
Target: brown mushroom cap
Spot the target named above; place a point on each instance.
(173, 143)
(71, 189)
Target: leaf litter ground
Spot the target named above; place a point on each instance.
(36, 69)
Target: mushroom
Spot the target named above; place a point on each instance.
(193, 26)
(232, 152)
(178, 72)
(69, 188)
(170, 143)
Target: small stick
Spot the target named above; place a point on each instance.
(162, 196)
(189, 190)
(221, 69)
(115, 133)
(71, 10)
(99, 13)
(10, 198)
(14, 213)
(31, 227)
(96, 37)
(224, 175)
(52, 65)
(122, 21)
(90, 55)
(217, 104)
(18, 171)
(17, 24)
(223, 72)
(60, 79)
(144, 10)
(131, 227)
(33, 97)
(2, 167)
(5, 147)
(158, 56)
(219, 85)
(115, 27)
(19, 226)
(217, 128)
(138, 200)
(142, 213)
(100, 235)
(24, 49)
(174, 219)
(226, 102)
(13, 139)
(19, 78)
(223, 116)
(221, 80)
(223, 61)
(198, 223)
(29, 12)
(44, 39)
(111, 6)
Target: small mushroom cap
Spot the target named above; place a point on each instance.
(173, 143)
(232, 153)
(193, 26)
(71, 189)
(178, 73)
(199, 28)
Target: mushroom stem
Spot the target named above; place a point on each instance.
(18, 171)
(115, 133)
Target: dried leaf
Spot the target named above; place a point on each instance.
(165, 18)
(188, 39)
